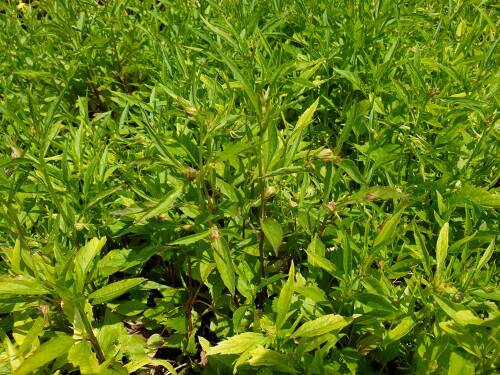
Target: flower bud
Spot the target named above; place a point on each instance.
(269, 192)
(327, 155)
(331, 206)
(214, 234)
(189, 173)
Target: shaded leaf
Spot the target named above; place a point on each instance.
(114, 290)
(273, 232)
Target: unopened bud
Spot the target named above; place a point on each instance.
(189, 173)
(327, 155)
(269, 192)
(214, 234)
(187, 227)
(15, 152)
(331, 206)
(190, 111)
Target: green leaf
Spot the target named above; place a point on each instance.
(188, 240)
(316, 246)
(321, 262)
(285, 298)
(25, 287)
(273, 232)
(45, 354)
(238, 344)
(351, 77)
(423, 254)
(261, 356)
(352, 170)
(163, 206)
(388, 230)
(323, 324)
(293, 140)
(402, 329)
(458, 313)
(114, 290)
(460, 364)
(81, 356)
(222, 258)
(442, 249)
(305, 118)
(486, 256)
(84, 257)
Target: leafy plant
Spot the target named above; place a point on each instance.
(249, 186)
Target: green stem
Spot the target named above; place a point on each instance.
(92, 338)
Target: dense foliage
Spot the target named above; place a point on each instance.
(196, 186)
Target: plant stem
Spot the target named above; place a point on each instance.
(92, 338)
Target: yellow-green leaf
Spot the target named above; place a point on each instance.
(442, 249)
(321, 262)
(25, 287)
(402, 329)
(261, 356)
(323, 324)
(486, 256)
(45, 354)
(238, 344)
(285, 298)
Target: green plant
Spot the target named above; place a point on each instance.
(251, 186)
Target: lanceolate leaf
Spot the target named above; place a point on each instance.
(188, 240)
(273, 232)
(270, 358)
(114, 290)
(442, 249)
(45, 354)
(223, 261)
(163, 206)
(25, 287)
(285, 298)
(458, 313)
(388, 230)
(486, 255)
(322, 325)
(239, 343)
(321, 262)
(402, 329)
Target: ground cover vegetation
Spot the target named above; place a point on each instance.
(304, 187)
